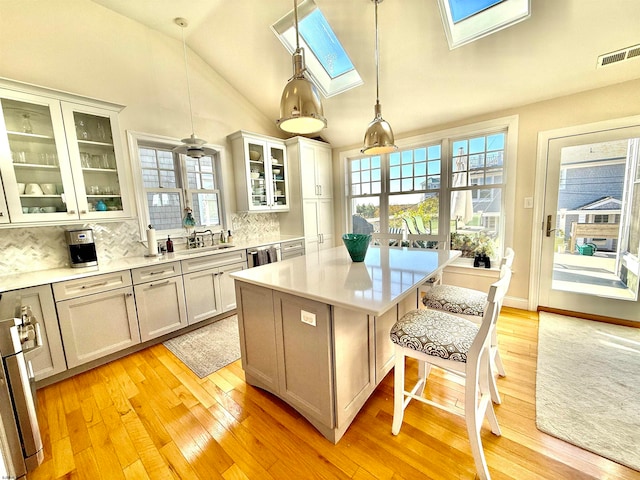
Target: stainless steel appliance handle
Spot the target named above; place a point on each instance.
(25, 409)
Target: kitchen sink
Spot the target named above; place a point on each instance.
(192, 251)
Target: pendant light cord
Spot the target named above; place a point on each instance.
(186, 71)
(295, 16)
(377, 54)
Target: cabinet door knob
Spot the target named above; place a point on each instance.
(71, 212)
(83, 212)
(1, 214)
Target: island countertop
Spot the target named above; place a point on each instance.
(329, 276)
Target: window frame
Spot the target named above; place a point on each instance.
(485, 22)
(284, 30)
(136, 140)
(509, 125)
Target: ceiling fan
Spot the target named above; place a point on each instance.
(192, 146)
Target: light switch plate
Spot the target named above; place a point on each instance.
(308, 318)
(528, 202)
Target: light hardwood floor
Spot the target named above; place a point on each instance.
(148, 416)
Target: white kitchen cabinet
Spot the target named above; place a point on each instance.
(291, 249)
(61, 157)
(315, 166)
(160, 303)
(99, 322)
(318, 224)
(49, 359)
(261, 171)
(311, 212)
(227, 285)
(209, 289)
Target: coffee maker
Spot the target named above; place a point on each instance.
(82, 248)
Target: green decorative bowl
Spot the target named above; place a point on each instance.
(357, 245)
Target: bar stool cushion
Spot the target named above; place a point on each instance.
(435, 333)
(460, 300)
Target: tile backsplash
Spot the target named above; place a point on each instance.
(41, 248)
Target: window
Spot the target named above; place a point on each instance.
(328, 64)
(170, 182)
(400, 197)
(467, 20)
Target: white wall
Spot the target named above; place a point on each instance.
(81, 47)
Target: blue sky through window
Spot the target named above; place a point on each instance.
(462, 9)
(320, 37)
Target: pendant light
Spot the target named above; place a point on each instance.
(191, 146)
(379, 137)
(300, 106)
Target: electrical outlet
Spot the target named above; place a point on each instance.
(308, 318)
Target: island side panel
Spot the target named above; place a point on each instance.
(303, 332)
(354, 369)
(256, 324)
(384, 346)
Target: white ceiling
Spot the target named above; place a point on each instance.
(422, 82)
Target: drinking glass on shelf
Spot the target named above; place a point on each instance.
(26, 123)
(85, 159)
(19, 157)
(101, 134)
(81, 130)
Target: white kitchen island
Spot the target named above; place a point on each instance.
(314, 330)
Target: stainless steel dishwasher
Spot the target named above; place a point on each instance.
(263, 255)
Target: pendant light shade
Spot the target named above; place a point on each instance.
(192, 146)
(300, 106)
(379, 136)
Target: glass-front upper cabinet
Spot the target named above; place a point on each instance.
(95, 158)
(262, 162)
(58, 160)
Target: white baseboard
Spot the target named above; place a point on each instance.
(516, 302)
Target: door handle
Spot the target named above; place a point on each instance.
(549, 229)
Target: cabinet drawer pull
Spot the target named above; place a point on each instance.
(159, 283)
(101, 284)
(160, 272)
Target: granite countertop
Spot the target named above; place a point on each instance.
(329, 276)
(43, 277)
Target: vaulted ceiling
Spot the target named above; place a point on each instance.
(422, 81)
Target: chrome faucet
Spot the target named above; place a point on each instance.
(196, 239)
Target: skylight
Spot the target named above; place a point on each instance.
(468, 20)
(461, 9)
(328, 65)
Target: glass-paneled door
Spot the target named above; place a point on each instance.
(591, 245)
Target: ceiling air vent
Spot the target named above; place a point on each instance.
(618, 56)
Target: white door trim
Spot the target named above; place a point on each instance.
(544, 138)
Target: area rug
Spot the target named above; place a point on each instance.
(209, 348)
(588, 386)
